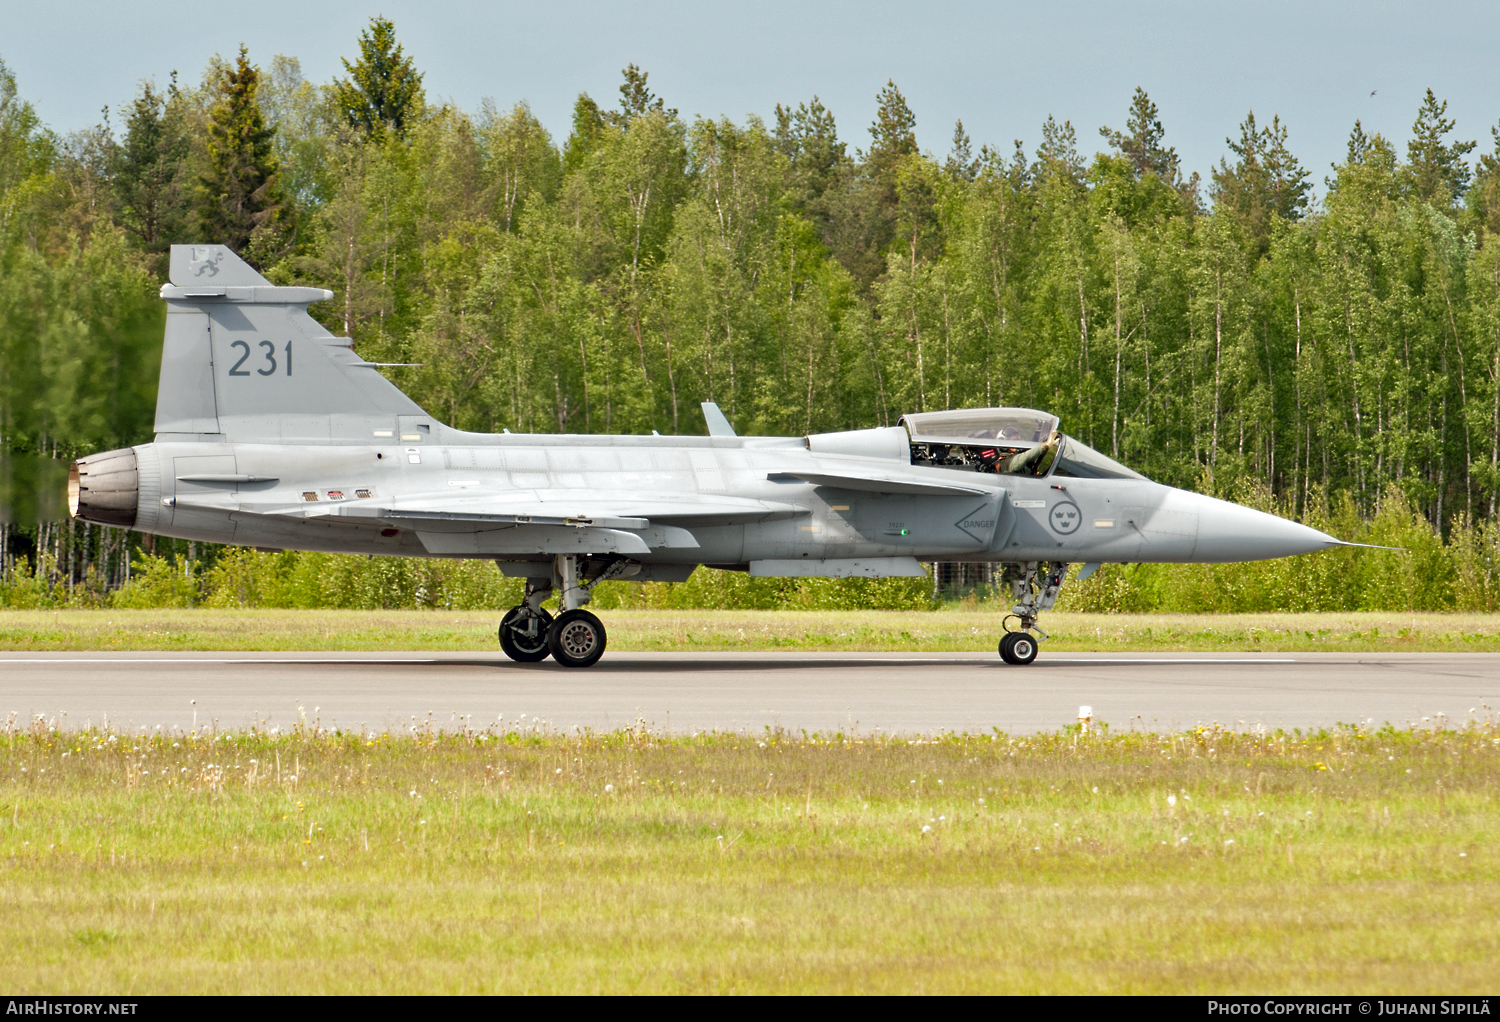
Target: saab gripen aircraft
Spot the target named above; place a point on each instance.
(271, 432)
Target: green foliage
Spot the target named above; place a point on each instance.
(80, 337)
(1439, 169)
(239, 193)
(158, 582)
(27, 149)
(1337, 355)
(27, 587)
(710, 589)
(1265, 184)
(151, 195)
(383, 92)
(250, 578)
(1141, 144)
(637, 99)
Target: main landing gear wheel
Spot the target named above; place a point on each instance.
(576, 639)
(1017, 648)
(523, 634)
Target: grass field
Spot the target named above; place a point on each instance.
(1350, 861)
(970, 630)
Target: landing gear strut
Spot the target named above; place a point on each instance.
(1035, 585)
(576, 638)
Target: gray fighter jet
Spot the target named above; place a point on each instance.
(271, 432)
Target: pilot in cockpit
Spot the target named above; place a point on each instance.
(1035, 461)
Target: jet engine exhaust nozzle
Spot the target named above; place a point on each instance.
(104, 488)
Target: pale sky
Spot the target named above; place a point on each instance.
(1001, 66)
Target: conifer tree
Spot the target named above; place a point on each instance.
(1438, 170)
(384, 89)
(1265, 182)
(239, 193)
(865, 217)
(893, 133)
(148, 168)
(1141, 142)
(637, 99)
(961, 164)
(1484, 196)
(809, 138)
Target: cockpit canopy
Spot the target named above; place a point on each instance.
(1005, 426)
(1006, 441)
(1077, 460)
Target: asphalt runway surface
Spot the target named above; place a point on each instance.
(688, 692)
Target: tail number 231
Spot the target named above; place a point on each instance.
(269, 367)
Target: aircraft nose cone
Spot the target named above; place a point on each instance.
(1232, 532)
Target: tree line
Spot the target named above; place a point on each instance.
(1214, 333)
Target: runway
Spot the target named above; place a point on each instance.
(688, 692)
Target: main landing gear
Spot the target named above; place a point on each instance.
(575, 638)
(1035, 585)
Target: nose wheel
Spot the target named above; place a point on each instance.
(1017, 648)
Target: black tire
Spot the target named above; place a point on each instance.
(576, 639)
(1023, 649)
(521, 644)
(1006, 642)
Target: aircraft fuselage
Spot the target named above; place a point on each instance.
(752, 506)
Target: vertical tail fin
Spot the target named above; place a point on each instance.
(242, 360)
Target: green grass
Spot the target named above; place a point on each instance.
(675, 630)
(1208, 861)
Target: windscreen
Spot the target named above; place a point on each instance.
(1001, 425)
(1080, 461)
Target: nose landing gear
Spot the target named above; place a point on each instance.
(1036, 585)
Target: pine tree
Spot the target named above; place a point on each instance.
(1439, 171)
(636, 99)
(1359, 144)
(809, 139)
(1484, 196)
(1057, 156)
(384, 89)
(239, 194)
(893, 133)
(148, 168)
(1141, 142)
(1266, 182)
(893, 139)
(961, 164)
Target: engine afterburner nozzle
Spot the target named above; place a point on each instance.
(104, 488)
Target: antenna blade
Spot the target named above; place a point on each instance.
(718, 425)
